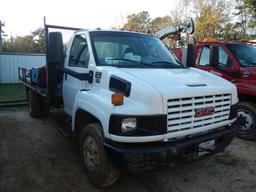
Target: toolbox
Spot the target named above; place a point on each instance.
(34, 76)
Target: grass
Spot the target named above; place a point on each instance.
(12, 92)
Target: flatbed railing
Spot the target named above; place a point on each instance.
(25, 78)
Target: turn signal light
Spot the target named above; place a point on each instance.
(117, 99)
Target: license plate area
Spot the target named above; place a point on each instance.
(206, 147)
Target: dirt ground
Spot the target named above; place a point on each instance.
(34, 156)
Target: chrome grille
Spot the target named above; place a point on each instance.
(181, 111)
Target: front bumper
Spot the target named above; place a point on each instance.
(164, 146)
(163, 153)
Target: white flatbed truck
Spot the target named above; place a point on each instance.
(126, 94)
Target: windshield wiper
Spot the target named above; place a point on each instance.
(130, 60)
(169, 64)
(120, 59)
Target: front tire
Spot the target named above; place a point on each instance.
(98, 169)
(246, 113)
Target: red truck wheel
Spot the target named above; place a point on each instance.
(246, 114)
(99, 170)
(33, 104)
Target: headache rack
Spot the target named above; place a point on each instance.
(51, 90)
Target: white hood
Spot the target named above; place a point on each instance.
(179, 82)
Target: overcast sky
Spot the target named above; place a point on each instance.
(23, 16)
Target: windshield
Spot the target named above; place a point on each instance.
(125, 49)
(246, 54)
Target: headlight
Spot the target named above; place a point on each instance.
(129, 125)
(137, 125)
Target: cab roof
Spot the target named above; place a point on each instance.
(111, 30)
(219, 42)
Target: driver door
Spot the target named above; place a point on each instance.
(225, 63)
(77, 61)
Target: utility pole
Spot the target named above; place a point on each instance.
(1, 35)
(1, 40)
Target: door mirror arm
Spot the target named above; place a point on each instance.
(214, 56)
(188, 56)
(81, 76)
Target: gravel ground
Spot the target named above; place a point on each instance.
(35, 157)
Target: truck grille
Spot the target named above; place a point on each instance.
(182, 111)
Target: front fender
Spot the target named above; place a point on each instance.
(97, 102)
(95, 107)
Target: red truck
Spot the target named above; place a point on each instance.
(236, 63)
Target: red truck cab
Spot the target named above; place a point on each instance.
(237, 63)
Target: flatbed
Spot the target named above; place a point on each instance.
(25, 78)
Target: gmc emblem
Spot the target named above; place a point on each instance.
(204, 111)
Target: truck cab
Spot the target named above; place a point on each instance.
(237, 64)
(161, 100)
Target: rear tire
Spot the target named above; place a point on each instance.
(33, 104)
(246, 113)
(98, 169)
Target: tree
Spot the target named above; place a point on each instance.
(160, 22)
(245, 10)
(20, 44)
(251, 4)
(33, 43)
(138, 22)
(141, 22)
(243, 14)
(211, 18)
(39, 40)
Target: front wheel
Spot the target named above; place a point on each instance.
(246, 113)
(98, 169)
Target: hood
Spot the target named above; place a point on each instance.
(181, 81)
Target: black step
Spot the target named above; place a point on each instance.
(62, 123)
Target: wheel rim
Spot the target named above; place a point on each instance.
(246, 120)
(91, 153)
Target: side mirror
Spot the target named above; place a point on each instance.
(188, 25)
(55, 59)
(188, 56)
(55, 53)
(214, 56)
